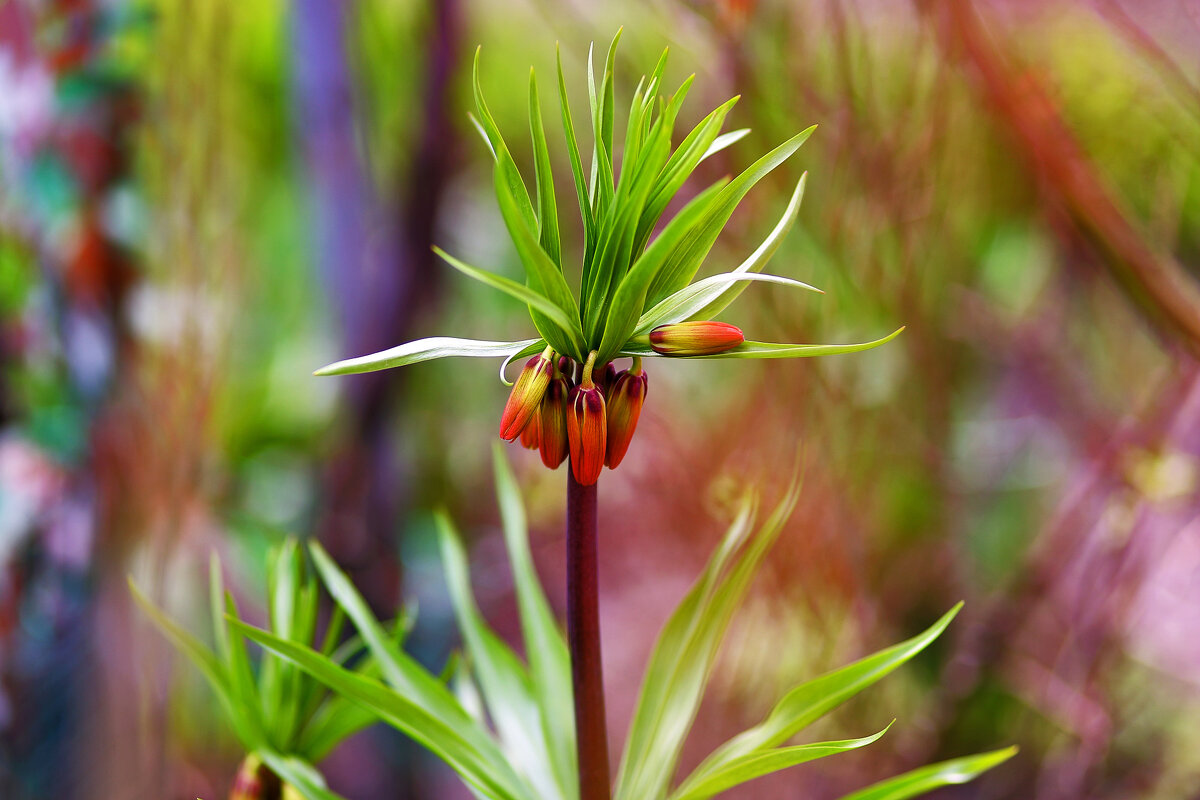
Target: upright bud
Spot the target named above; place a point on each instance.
(695, 338)
(526, 395)
(586, 428)
(623, 407)
(552, 423)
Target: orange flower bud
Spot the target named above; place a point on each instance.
(526, 395)
(623, 407)
(532, 429)
(552, 423)
(695, 338)
(586, 432)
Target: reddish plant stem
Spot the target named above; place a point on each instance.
(583, 637)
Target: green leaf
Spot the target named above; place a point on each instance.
(425, 350)
(630, 296)
(545, 647)
(300, 774)
(400, 670)
(723, 141)
(506, 168)
(204, 660)
(682, 266)
(542, 274)
(683, 659)
(474, 757)
(810, 701)
(535, 300)
(757, 764)
(926, 779)
(772, 349)
(689, 302)
(502, 678)
(759, 258)
(581, 187)
(334, 721)
(547, 211)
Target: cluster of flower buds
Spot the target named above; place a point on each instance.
(587, 411)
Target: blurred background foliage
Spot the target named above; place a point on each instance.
(203, 201)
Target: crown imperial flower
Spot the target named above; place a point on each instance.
(695, 338)
(623, 407)
(552, 421)
(637, 271)
(526, 395)
(587, 428)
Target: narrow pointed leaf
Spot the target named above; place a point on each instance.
(545, 647)
(399, 669)
(209, 667)
(502, 678)
(723, 141)
(535, 300)
(483, 767)
(675, 682)
(757, 764)
(630, 297)
(759, 258)
(810, 701)
(547, 210)
(542, 273)
(683, 265)
(425, 350)
(581, 187)
(926, 779)
(506, 168)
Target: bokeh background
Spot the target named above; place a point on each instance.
(204, 200)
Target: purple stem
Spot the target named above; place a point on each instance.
(583, 637)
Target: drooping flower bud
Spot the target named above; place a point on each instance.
(532, 429)
(526, 394)
(552, 423)
(623, 407)
(586, 428)
(696, 338)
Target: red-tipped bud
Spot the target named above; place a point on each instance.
(526, 395)
(552, 423)
(623, 407)
(695, 338)
(586, 428)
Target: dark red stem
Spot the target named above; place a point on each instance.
(583, 637)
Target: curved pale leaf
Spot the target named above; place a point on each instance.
(690, 300)
(757, 764)
(682, 266)
(772, 349)
(723, 141)
(926, 779)
(759, 258)
(425, 350)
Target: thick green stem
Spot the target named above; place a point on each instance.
(583, 636)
